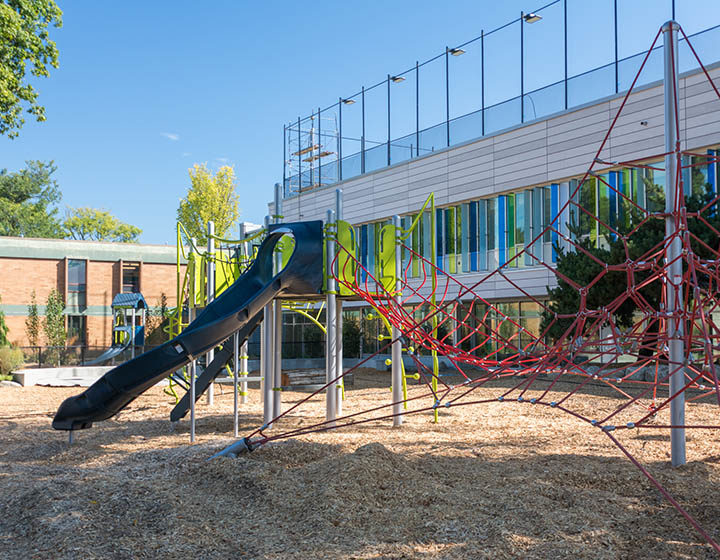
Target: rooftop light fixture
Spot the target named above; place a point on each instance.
(397, 79)
(456, 51)
(531, 18)
(348, 101)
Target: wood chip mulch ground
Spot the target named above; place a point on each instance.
(498, 480)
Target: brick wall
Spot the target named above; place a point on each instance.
(19, 277)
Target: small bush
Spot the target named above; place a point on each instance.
(10, 360)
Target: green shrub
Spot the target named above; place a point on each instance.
(10, 360)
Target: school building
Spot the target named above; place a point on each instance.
(88, 275)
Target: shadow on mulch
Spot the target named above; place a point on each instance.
(300, 499)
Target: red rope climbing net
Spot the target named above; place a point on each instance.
(621, 344)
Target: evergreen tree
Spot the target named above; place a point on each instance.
(645, 235)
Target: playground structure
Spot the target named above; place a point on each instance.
(667, 356)
(129, 319)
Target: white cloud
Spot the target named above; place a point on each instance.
(171, 136)
(186, 154)
(222, 159)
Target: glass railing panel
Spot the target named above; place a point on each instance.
(502, 115)
(591, 85)
(467, 127)
(628, 69)
(329, 173)
(352, 166)
(403, 148)
(376, 158)
(544, 101)
(705, 44)
(433, 139)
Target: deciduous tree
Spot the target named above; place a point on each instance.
(25, 45)
(98, 225)
(32, 321)
(54, 322)
(209, 198)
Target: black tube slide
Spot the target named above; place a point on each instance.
(213, 369)
(234, 310)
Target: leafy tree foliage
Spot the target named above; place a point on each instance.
(27, 201)
(645, 235)
(54, 322)
(24, 44)
(32, 321)
(209, 198)
(3, 329)
(98, 225)
(157, 320)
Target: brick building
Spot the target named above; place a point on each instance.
(87, 274)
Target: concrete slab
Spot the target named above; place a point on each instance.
(61, 376)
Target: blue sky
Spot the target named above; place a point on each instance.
(146, 89)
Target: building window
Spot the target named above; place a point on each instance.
(131, 278)
(76, 330)
(77, 282)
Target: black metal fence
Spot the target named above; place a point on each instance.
(446, 100)
(58, 356)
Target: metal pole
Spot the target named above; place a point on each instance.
(319, 143)
(397, 385)
(388, 119)
(331, 337)
(565, 29)
(277, 320)
(673, 252)
(340, 139)
(340, 385)
(482, 78)
(284, 156)
(447, 96)
(362, 138)
(522, 68)
(266, 353)
(615, 22)
(210, 296)
(236, 374)
(244, 348)
(299, 156)
(417, 109)
(193, 366)
(132, 333)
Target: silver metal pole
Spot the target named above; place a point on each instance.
(673, 286)
(244, 349)
(339, 322)
(331, 336)
(192, 401)
(277, 318)
(244, 372)
(236, 374)
(191, 367)
(266, 358)
(397, 385)
(210, 296)
(132, 333)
